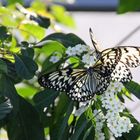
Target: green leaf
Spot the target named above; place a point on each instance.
(3, 67)
(25, 125)
(60, 111)
(61, 15)
(65, 39)
(15, 1)
(29, 52)
(64, 123)
(11, 72)
(45, 98)
(51, 47)
(5, 107)
(134, 133)
(48, 66)
(33, 30)
(25, 66)
(80, 126)
(26, 90)
(128, 5)
(4, 35)
(7, 89)
(89, 133)
(133, 88)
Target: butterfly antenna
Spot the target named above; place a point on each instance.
(94, 42)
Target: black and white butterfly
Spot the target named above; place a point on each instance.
(82, 84)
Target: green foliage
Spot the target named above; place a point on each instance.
(134, 88)
(5, 107)
(27, 111)
(128, 5)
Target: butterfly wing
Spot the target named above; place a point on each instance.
(129, 55)
(115, 62)
(77, 83)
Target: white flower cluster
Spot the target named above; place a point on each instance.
(113, 105)
(77, 50)
(100, 119)
(88, 58)
(55, 57)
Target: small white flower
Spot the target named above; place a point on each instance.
(79, 49)
(71, 51)
(88, 59)
(54, 59)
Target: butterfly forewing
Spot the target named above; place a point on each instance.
(130, 56)
(75, 82)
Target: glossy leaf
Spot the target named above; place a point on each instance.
(26, 90)
(60, 111)
(7, 89)
(66, 39)
(11, 72)
(64, 123)
(25, 66)
(51, 47)
(5, 107)
(3, 67)
(26, 124)
(133, 88)
(89, 133)
(29, 52)
(45, 98)
(80, 126)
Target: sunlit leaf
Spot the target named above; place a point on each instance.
(133, 88)
(52, 47)
(32, 30)
(26, 90)
(15, 1)
(62, 16)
